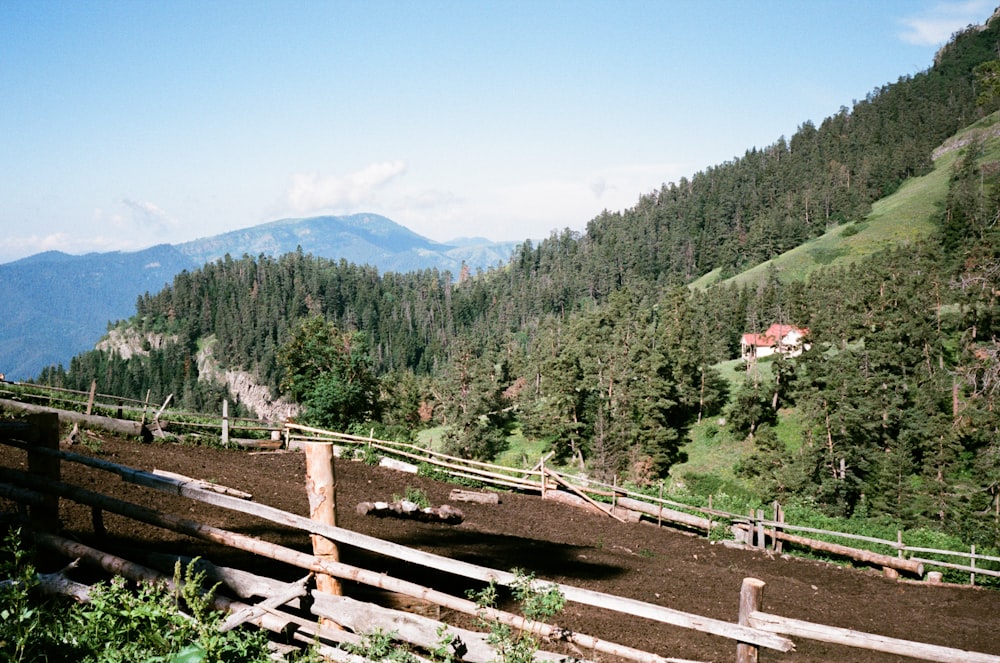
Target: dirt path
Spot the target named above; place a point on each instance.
(555, 542)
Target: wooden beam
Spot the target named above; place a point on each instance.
(869, 641)
(608, 511)
(120, 426)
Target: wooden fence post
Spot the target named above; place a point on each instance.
(145, 406)
(779, 517)
(93, 394)
(761, 542)
(659, 509)
(225, 422)
(972, 565)
(44, 434)
(321, 486)
(751, 594)
(541, 466)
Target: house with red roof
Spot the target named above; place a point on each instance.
(787, 340)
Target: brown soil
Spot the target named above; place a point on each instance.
(553, 541)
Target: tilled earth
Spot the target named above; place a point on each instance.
(553, 541)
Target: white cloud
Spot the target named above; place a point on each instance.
(310, 193)
(935, 26)
(531, 209)
(14, 247)
(146, 216)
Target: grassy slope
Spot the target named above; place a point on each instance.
(909, 215)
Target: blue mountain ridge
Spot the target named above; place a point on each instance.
(57, 305)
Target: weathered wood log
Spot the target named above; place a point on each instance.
(672, 515)
(398, 465)
(606, 509)
(408, 510)
(204, 485)
(119, 426)
(57, 583)
(868, 641)
(321, 488)
(751, 597)
(458, 495)
(249, 443)
(572, 499)
(877, 559)
(44, 463)
(289, 593)
(361, 617)
(239, 583)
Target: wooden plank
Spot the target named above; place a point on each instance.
(573, 499)
(206, 485)
(304, 630)
(291, 592)
(868, 641)
(44, 463)
(608, 511)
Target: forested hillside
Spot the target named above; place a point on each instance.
(593, 343)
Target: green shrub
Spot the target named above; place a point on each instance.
(122, 621)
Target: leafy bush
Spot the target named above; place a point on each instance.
(120, 623)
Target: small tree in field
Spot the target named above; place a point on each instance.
(330, 373)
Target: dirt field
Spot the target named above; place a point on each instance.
(553, 541)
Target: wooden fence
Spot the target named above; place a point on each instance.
(139, 418)
(40, 488)
(753, 529)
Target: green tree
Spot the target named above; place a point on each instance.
(330, 373)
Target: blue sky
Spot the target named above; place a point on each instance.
(129, 123)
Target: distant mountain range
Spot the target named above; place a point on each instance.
(56, 305)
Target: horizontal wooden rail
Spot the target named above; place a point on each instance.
(868, 641)
(958, 567)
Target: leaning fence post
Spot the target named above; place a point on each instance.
(90, 399)
(751, 595)
(44, 436)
